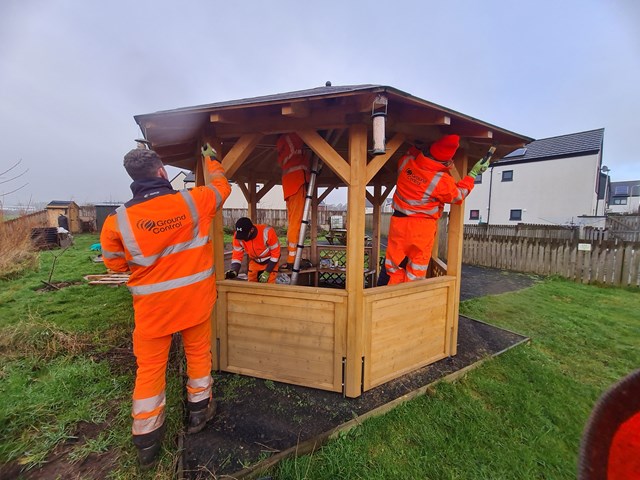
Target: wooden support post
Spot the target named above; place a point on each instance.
(252, 206)
(454, 256)
(216, 234)
(313, 226)
(375, 236)
(355, 259)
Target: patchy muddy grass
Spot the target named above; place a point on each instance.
(259, 418)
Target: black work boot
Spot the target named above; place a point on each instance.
(148, 446)
(198, 416)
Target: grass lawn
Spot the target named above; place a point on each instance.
(66, 374)
(519, 416)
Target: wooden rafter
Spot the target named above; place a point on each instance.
(378, 162)
(265, 189)
(239, 152)
(326, 153)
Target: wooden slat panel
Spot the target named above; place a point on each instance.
(320, 342)
(283, 312)
(407, 330)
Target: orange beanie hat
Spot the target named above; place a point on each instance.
(445, 148)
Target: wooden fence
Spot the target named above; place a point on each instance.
(277, 218)
(608, 262)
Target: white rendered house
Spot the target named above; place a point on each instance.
(551, 181)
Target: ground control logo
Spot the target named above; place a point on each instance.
(413, 178)
(160, 226)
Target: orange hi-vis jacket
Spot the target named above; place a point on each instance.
(163, 238)
(425, 185)
(262, 248)
(292, 161)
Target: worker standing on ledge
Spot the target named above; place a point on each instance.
(162, 236)
(262, 246)
(295, 177)
(423, 187)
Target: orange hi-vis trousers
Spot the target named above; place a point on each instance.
(151, 356)
(254, 269)
(411, 237)
(295, 210)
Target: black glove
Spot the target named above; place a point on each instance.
(230, 274)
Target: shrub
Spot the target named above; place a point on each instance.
(16, 250)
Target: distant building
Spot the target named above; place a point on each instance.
(64, 212)
(550, 181)
(624, 197)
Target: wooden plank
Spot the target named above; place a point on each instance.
(284, 312)
(427, 361)
(281, 369)
(320, 342)
(281, 325)
(316, 360)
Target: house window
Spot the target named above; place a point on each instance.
(478, 179)
(620, 201)
(515, 215)
(474, 214)
(507, 176)
(621, 190)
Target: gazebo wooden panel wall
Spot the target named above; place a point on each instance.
(349, 339)
(295, 334)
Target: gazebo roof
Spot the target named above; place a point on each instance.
(176, 134)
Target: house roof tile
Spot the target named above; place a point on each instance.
(574, 145)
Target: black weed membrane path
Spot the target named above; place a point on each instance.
(261, 421)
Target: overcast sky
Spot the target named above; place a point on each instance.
(74, 73)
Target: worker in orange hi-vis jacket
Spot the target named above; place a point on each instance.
(423, 187)
(162, 236)
(295, 177)
(261, 245)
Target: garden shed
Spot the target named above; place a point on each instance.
(66, 208)
(348, 339)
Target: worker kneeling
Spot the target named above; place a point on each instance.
(261, 245)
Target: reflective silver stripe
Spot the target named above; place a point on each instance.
(108, 254)
(192, 209)
(202, 387)
(238, 249)
(239, 262)
(217, 194)
(390, 266)
(404, 162)
(293, 245)
(292, 151)
(131, 244)
(147, 425)
(179, 247)
(431, 211)
(171, 284)
(128, 239)
(462, 193)
(432, 186)
(410, 202)
(148, 404)
(418, 266)
(273, 247)
(413, 277)
(141, 426)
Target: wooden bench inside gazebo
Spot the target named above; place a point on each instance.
(347, 339)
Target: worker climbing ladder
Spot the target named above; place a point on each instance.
(305, 219)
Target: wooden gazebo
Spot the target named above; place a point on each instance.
(360, 336)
